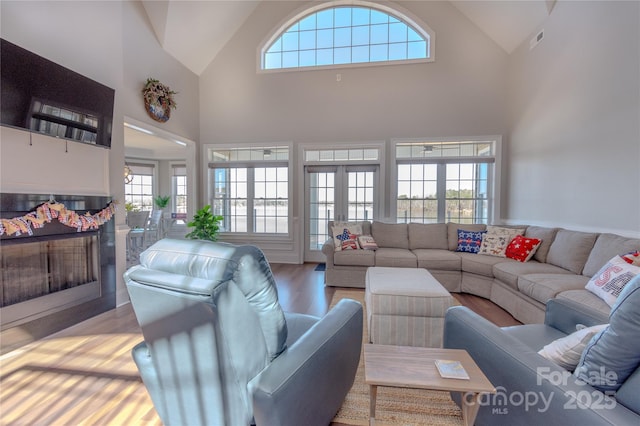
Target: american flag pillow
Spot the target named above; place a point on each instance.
(469, 241)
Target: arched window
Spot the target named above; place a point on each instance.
(347, 33)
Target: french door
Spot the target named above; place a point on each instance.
(336, 193)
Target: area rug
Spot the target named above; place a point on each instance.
(395, 406)
(321, 267)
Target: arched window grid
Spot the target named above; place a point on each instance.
(347, 34)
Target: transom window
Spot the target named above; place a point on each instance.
(446, 181)
(347, 35)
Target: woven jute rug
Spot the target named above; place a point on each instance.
(394, 406)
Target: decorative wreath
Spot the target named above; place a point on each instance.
(158, 99)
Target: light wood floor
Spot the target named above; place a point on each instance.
(85, 375)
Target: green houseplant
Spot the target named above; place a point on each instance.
(162, 201)
(205, 225)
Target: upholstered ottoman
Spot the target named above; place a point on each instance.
(405, 307)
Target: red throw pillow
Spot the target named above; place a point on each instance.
(522, 248)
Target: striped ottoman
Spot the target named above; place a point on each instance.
(405, 307)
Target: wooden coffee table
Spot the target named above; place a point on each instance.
(414, 367)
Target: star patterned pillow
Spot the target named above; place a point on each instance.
(345, 239)
(469, 241)
(522, 248)
(341, 232)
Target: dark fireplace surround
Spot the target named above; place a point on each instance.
(56, 277)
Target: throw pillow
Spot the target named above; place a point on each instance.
(351, 243)
(632, 258)
(611, 279)
(495, 241)
(522, 248)
(346, 239)
(567, 350)
(469, 241)
(338, 232)
(367, 242)
(614, 353)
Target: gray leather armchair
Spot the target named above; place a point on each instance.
(219, 350)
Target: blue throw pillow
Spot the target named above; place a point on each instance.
(469, 241)
(614, 353)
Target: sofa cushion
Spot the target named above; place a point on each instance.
(480, 264)
(586, 298)
(606, 247)
(395, 257)
(566, 351)
(546, 235)
(428, 236)
(354, 258)
(543, 287)
(614, 353)
(570, 249)
(452, 231)
(609, 281)
(365, 224)
(509, 272)
(442, 260)
(390, 235)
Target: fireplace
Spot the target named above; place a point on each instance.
(57, 276)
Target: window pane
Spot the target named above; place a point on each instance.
(378, 36)
(325, 39)
(290, 41)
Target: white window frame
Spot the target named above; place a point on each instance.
(154, 179)
(494, 215)
(401, 13)
(250, 236)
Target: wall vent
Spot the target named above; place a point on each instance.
(534, 41)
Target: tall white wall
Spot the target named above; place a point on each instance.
(110, 42)
(574, 103)
(461, 93)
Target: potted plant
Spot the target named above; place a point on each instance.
(130, 207)
(162, 201)
(205, 224)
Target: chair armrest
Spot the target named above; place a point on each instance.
(307, 383)
(564, 315)
(527, 384)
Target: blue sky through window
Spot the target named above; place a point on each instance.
(345, 35)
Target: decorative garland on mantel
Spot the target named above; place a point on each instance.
(46, 212)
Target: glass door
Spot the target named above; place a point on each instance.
(336, 193)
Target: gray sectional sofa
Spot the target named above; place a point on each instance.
(560, 268)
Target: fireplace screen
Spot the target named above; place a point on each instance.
(33, 269)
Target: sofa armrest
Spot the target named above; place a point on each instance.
(565, 314)
(328, 249)
(528, 385)
(307, 383)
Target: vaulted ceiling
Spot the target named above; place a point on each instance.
(195, 31)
